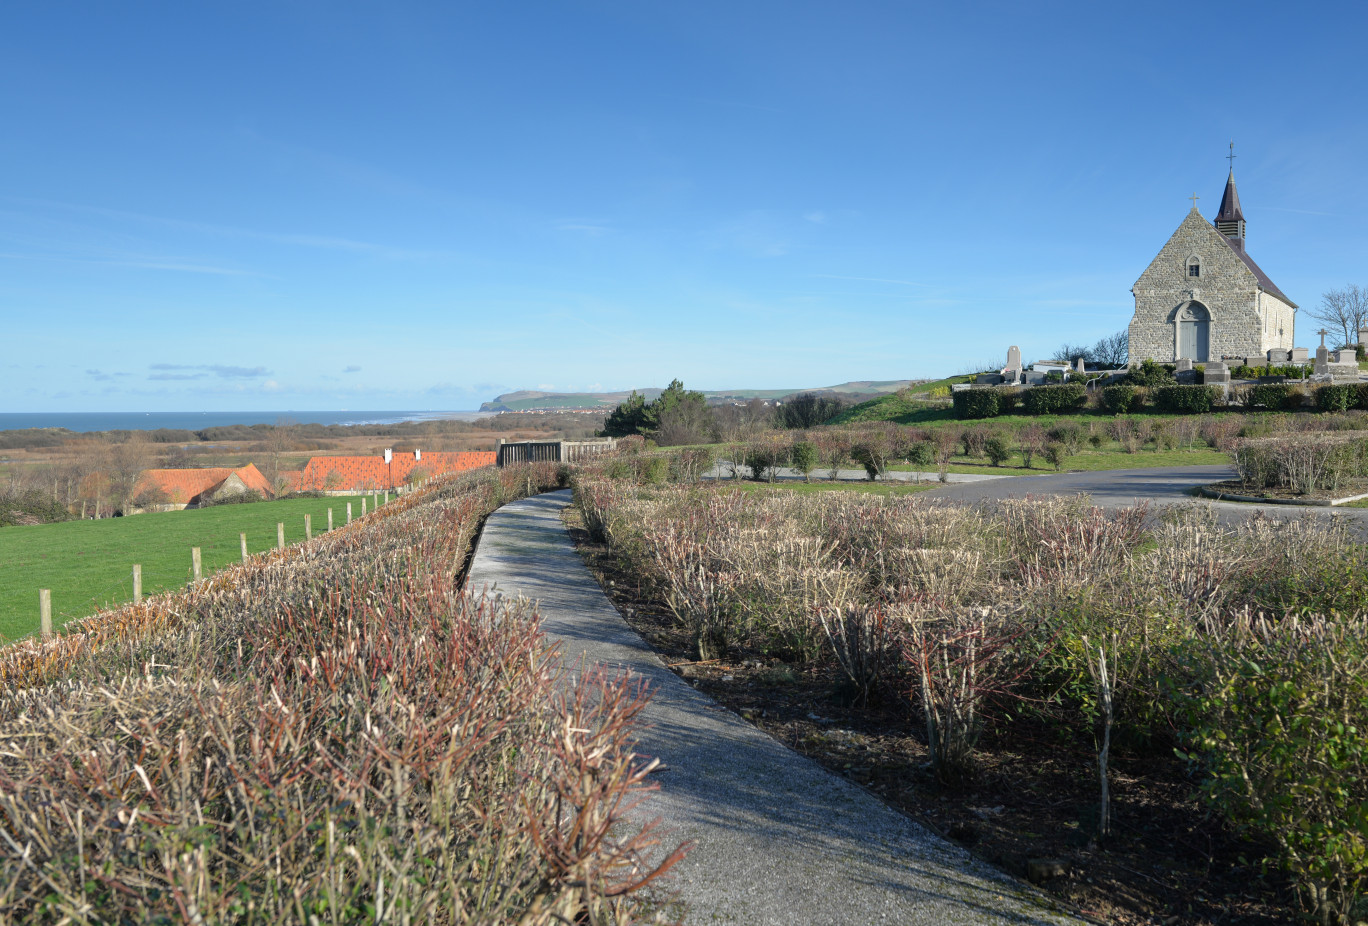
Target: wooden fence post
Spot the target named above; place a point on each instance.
(195, 564)
(348, 512)
(330, 519)
(280, 535)
(137, 583)
(242, 538)
(308, 528)
(387, 496)
(45, 611)
(363, 506)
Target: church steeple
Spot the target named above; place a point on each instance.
(1230, 220)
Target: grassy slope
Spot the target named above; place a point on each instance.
(89, 564)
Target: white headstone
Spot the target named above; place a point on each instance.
(1013, 359)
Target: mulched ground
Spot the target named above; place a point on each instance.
(1235, 487)
(1168, 861)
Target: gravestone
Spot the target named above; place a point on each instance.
(1279, 355)
(1217, 373)
(1013, 371)
(1363, 337)
(1182, 365)
(1078, 367)
(989, 379)
(1322, 356)
(1299, 355)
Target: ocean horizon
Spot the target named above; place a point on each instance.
(82, 422)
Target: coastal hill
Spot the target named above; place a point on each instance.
(532, 400)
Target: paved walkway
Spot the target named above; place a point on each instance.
(779, 840)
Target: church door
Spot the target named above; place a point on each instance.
(1194, 332)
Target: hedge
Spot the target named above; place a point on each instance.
(1052, 400)
(1121, 399)
(1185, 400)
(977, 403)
(1340, 397)
(1276, 395)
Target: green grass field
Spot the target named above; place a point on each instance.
(1089, 460)
(89, 564)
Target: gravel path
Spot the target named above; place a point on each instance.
(778, 839)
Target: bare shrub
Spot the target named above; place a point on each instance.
(309, 737)
(861, 641)
(959, 660)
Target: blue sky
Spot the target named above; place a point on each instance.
(320, 205)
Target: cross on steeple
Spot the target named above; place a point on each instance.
(1194, 197)
(1232, 156)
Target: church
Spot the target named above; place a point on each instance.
(1204, 298)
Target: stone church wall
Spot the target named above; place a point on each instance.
(1280, 321)
(1227, 288)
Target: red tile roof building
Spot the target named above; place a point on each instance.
(365, 474)
(188, 487)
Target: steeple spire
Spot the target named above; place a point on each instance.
(1230, 219)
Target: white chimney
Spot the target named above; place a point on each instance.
(417, 454)
(389, 455)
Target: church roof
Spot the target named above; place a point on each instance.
(1230, 203)
(1237, 245)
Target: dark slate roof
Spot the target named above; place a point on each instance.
(1230, 203)
(1265, 283)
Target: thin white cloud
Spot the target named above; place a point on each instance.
(817, 218)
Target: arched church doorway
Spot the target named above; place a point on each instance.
(1193, 334)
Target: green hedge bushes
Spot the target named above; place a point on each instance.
(977, 403)
(1274, 396)
(1123, 398)
(1341, 397)
(1053, 400)
(1185, 400)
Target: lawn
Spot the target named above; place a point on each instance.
(1089, 460)
(89, 564)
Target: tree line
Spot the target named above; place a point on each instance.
(681, 416)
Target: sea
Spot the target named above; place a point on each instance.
(195, 421)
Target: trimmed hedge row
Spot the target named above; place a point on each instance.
(1185, 400)
(1173, 399)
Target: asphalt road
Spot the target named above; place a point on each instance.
(1160, 486)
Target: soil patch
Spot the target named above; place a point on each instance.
(1169, 861)
(1235, 487)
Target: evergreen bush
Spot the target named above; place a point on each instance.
(1120, 399)
(1185, 400)
(1053, 400)
(977, 403)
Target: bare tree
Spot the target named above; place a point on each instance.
(1112, 351)
(1072, 352)
(125, 463)
(280, 441)
(1345, 309)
